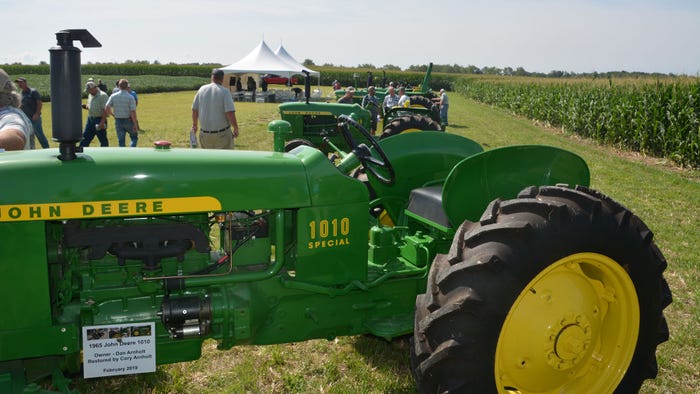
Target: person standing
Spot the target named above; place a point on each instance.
(15, 127)
(213, 110)
(444, 106)
(31, 106)
(101, 85)
(133, 94)
(122, 106)
(96, 123)
(371, 103)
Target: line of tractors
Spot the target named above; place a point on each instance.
(506, 270)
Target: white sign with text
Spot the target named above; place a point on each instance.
(124, 349)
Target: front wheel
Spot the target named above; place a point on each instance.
(559, 290)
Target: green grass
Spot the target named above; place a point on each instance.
(140, 83)
(666, 198)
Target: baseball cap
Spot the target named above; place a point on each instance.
(217, 73)
(90, 85)
(6, 85)
(21, 79)
(350, 89)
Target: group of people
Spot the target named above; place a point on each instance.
(21, 105)
(21, 123)
(121, 104)
(371, 102)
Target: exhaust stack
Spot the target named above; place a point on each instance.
(66, 89)
(307, 85)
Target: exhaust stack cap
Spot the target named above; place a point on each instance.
(66, 89)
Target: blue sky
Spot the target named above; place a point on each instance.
(576, 35)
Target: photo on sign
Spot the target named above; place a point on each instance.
(117, 332)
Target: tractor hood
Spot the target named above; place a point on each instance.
(104, 182)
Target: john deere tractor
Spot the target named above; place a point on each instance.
(507, 271)
(316, 124)
(423, 90)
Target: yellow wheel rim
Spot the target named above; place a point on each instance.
(412, 130)
(572, 329)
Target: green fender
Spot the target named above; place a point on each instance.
(502, 173)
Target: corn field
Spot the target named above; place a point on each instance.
(660, 119)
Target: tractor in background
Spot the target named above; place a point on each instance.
(316, 124)
(422, 90)
(507, 271)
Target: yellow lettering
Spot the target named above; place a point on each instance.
(34, 212)
(55, 211)
(93, 209)
(15, 212)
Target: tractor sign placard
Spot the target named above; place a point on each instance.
(119, 349)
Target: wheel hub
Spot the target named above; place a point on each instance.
(568, 342)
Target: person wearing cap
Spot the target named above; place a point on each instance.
(31, 106)
(96, 123)
(444, 106)
(15, 128)
(371, 103)
(122, 106)
(347, 97)
(214, 112)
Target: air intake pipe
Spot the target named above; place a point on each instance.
(66, 90)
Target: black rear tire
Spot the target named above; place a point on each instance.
(461, 321)
(423, 102)
(409, 123)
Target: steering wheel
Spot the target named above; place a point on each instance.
(363, 152)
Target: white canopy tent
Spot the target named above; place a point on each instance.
(284, 55)
(261, 60)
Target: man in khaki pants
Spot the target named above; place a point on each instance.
(214, 110)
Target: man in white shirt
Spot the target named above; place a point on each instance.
(213, 109)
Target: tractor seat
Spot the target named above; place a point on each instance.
(426, 202)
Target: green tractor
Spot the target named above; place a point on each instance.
(316, 124)
(423, 90)
(506, 279)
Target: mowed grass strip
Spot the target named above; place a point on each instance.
(666, 198)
